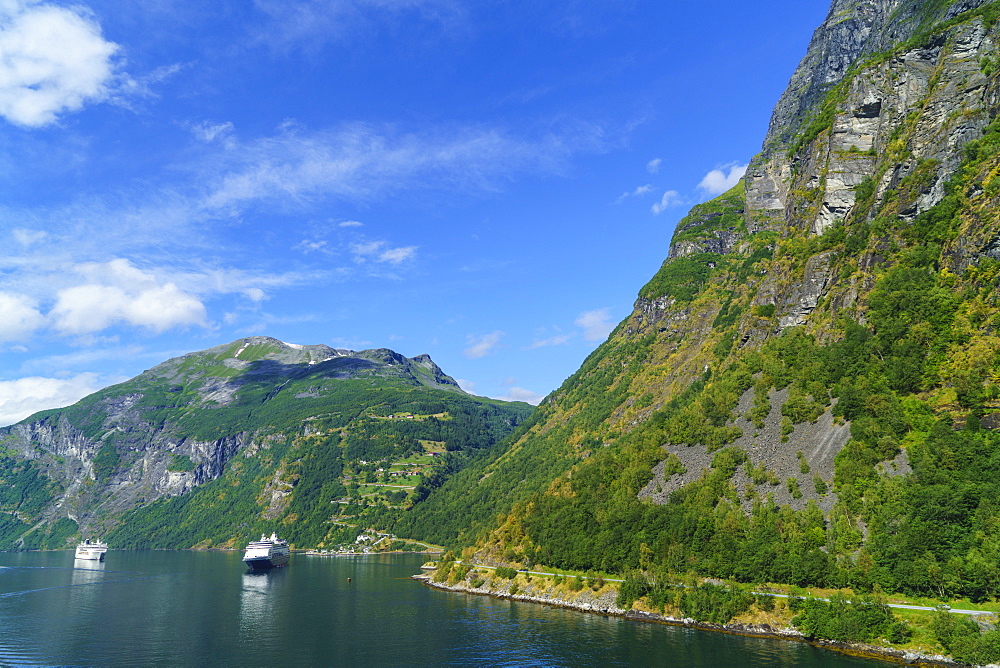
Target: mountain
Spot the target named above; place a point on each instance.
(284, 430)
(808, 390)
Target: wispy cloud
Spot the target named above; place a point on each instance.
(312, 246)
(638, 192)
(669, 199)
(397, 255)
(295, 170)
(28, 237)
(480, 346)
(596, 324)
(54, 60)
(720, 180)
(309, 24)
(378, 251)
(557, 340)
(357, 162)
(653, 166)
(209, 132)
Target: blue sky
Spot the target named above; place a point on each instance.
(487, 182)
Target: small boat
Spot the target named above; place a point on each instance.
(267, 553)
(91, 551)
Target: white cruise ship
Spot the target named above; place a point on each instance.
(91, 551)
(267, 553)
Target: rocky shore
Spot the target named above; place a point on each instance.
(603, 602)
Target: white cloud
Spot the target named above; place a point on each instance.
(596, 324)
(209, 132)
(24, 396)
(521, 394)
(351, 223)
(367, 248)
(397, 255)
(54, 59)
(359, 162)
(556, 340)
(670, 198)
(19, 317)
(467, 385)
(310, 246)
(719, 180)
(307, 24)
(653, 166)
(28, 237)
(119, 293)
(638, 192)
(483, 345)
(377, 251)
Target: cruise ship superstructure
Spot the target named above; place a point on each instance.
(267, 553)
(91, 551)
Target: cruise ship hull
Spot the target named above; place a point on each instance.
(266, 563)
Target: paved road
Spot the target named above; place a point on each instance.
(768, 593)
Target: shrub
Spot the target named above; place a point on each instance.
(849, 621)
(715, 603)
(820, 485)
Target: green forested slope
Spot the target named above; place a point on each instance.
(874, 303)
(212, 447)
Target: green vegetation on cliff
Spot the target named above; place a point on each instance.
(875, 319)
(212, 447)
(311, 483)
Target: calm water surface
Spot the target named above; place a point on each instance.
(182, 608)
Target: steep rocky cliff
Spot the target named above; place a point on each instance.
(807, 389)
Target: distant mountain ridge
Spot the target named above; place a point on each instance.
(179, 425)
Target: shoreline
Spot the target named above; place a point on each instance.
(596, 605)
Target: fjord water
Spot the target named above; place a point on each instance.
(186, 608)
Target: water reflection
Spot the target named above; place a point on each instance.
(85, 572)
(257, 605)
(87, 565)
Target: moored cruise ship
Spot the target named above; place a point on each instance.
(91, 551)
(267, 553)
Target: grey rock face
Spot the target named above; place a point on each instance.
(818, 442)
(891, 136)
(723, 240)
(937, 91)
(852, 29)
(805, 294)
(932, 82)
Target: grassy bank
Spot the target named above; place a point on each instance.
(838, 619)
